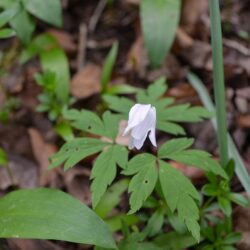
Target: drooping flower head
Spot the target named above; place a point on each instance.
(141, 122)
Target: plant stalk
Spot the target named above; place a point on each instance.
(218, 80)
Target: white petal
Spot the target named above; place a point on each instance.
(137, 115)
(148, 124)
(137, 143)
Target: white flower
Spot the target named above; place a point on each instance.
(142, 120)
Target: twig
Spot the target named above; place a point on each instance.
(82, 44)
(96, 15)
(236, 46)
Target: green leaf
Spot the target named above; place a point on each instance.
(143, 183)
(24, 26)
(239, 199)
(6, 16)
(108, 67)
(174, 146)
(160, 19)
(88, 121)
(3, 158)
(46, 10)
(180, 195)
(6, 33)
(199, 159)
(175, 149)
(170, 127)
(104, 170)
(232, 238)
(65, 131)
(55, 60)
(118, 104)
(175, 241)
(111, 198)
(225, 205)
(185, 113)
(115, 222)
(40, 43)
(122, 89)
(155, 223)
(76, 150)
(233, 152)
(210, 190)
(51, 214)
(157, 88)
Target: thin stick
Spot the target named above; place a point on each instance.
(96, 16)
(218, 80)
(82, 44)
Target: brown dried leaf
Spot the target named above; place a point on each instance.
(244, 121)
(64, 39)
(42, 151)
(120, 139)
(86, 82)
(24, 172)
(78, 184)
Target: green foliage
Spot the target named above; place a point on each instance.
(106, 74)
(143, 182)
(76, 150)
(10, 105)
(5, 17)
(51, 215)
(3, 158)
(176, 149)
(22, 21)
(108, 67)
(88, 121)
(180, 195)
(55, 78)
(168, 114)
(111, 198)
(104, 170)
(160, 19)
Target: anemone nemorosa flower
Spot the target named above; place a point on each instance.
(141, 122)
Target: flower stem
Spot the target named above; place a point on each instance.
(218, 80)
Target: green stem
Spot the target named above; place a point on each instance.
(218, 80)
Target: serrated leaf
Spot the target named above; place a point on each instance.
(104, 171)
(199, 159)
(76, 150)
(108, 67)
(143, 183)
(180, 195)
(53, 215)
(174, 146)
(88, 121)
(159, 22)
(185, 113)
(157, 88)
(170, 127)
(119, 104)
(46, 10)
(24, 25)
